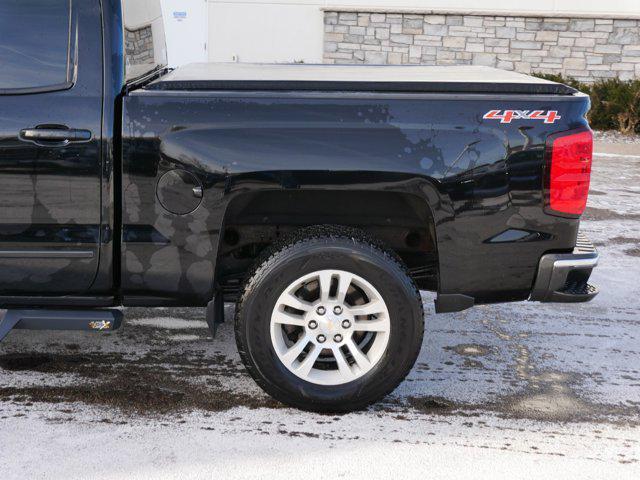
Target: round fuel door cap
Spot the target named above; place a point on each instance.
(179, 192)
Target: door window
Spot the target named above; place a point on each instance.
(34, 45)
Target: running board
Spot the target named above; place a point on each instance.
(91, 320)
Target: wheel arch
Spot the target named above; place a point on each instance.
(403, 220)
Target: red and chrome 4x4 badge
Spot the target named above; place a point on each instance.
(507, 116)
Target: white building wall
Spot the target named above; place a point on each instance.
(292, 30)
(265, 32)
(140, 13)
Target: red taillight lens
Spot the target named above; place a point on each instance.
(570, 171)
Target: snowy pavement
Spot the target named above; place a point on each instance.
(511, 391)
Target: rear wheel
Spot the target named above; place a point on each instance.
(329, 321)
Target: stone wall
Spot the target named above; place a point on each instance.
(585, 48)
(139, 45)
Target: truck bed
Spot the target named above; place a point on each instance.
(382, 78)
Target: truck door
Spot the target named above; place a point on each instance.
(50, 142)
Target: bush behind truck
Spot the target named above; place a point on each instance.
(615, 103)
(319, 198)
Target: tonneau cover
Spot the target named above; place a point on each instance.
(362, 78)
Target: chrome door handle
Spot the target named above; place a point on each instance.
(55, 135)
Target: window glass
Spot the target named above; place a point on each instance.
(34, 43)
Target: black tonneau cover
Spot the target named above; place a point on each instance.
(362, 78)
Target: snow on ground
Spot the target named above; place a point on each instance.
(513, 390)
(616, 138)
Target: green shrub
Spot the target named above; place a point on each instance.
(615, 103)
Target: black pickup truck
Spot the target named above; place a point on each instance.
(319, 199)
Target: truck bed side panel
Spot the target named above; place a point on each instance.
(481, 179)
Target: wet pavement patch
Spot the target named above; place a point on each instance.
(470, 349)
(619, 240)
(549, 396)
(139, 393)
(624, 240)
(469, 363)
(598, 214)
(142, 385)
(431, 404)
(42, 362)
(549, 405)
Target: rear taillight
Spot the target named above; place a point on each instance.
(569, 157)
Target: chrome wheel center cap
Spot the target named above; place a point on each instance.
(329, 325)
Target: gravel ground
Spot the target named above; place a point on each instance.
(512, 390)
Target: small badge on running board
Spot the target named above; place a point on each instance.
(100, 325)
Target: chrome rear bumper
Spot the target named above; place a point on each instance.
(563, 277)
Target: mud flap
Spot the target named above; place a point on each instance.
(454, 302)
(215, 312)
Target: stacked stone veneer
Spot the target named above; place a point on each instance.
(139, 45)
(585, 48)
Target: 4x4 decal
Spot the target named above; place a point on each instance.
(507, 116)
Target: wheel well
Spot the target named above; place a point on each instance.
(402, 222)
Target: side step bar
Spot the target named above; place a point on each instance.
(91, 320)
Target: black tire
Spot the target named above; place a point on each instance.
(310, 250)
